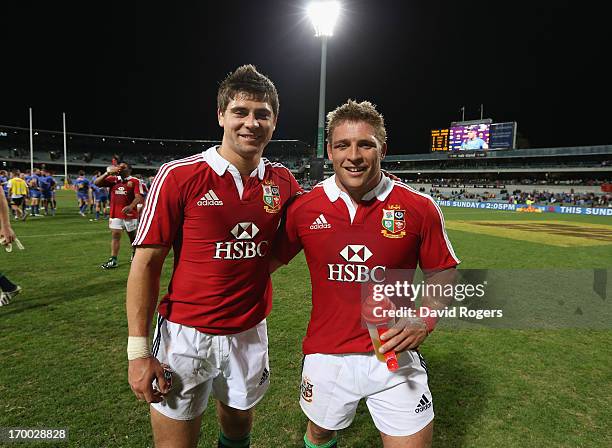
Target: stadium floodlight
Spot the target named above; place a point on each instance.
(323, 15)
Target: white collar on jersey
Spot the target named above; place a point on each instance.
(380, 191)
(220, 165)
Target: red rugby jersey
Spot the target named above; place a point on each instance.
(394, 227)
(122, 193)
(221, 232)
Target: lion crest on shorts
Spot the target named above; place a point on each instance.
(306, 389)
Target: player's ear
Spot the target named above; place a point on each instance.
(383, 151)
(329, 151)
(220, 117)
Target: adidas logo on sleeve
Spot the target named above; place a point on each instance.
(320, 223)
(209, 198)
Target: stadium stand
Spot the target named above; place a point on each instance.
(90, 152)
(568, 176)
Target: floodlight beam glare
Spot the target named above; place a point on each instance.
(323, 16)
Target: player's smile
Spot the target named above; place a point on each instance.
(249, 137)
(355, 171)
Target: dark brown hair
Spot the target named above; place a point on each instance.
(246, 79)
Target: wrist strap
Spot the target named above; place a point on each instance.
(430, 321)
(138, 347)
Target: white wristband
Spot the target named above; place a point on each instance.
(138, 347)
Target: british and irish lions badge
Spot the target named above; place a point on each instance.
(271, 198)
(393, 222)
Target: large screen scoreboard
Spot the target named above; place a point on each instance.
(470, 137)
(476, 135)
(503, 135)
(439, 139)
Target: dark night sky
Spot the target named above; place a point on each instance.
(151, 69)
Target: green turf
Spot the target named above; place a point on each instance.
(62, 350)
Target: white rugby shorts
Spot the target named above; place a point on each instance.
(234, 368)
(129, 225)
(332, 386)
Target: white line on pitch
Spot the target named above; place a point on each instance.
(60, 234)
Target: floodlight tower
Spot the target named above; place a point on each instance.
(323, 15)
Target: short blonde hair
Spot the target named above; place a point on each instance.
(354, 111)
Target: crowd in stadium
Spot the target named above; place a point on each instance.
(512, 181)
(571, 198)
(470, 164)
(524, 197)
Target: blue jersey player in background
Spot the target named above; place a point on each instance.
(100, 196)
(81, 184)
(47, 190)
(4, 182)
(34, 188)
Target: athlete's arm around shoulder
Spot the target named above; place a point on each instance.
(142, 296)
(287, 243)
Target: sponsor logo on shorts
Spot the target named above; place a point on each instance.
(423, 405)
(306, 389)
(264, 376)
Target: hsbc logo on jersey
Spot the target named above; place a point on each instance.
(244, 231)
(244, 248)
(356, 252)
(351, 272)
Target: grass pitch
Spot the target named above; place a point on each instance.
(62, 346)
(552, 232)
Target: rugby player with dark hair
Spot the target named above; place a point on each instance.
(219, 210)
